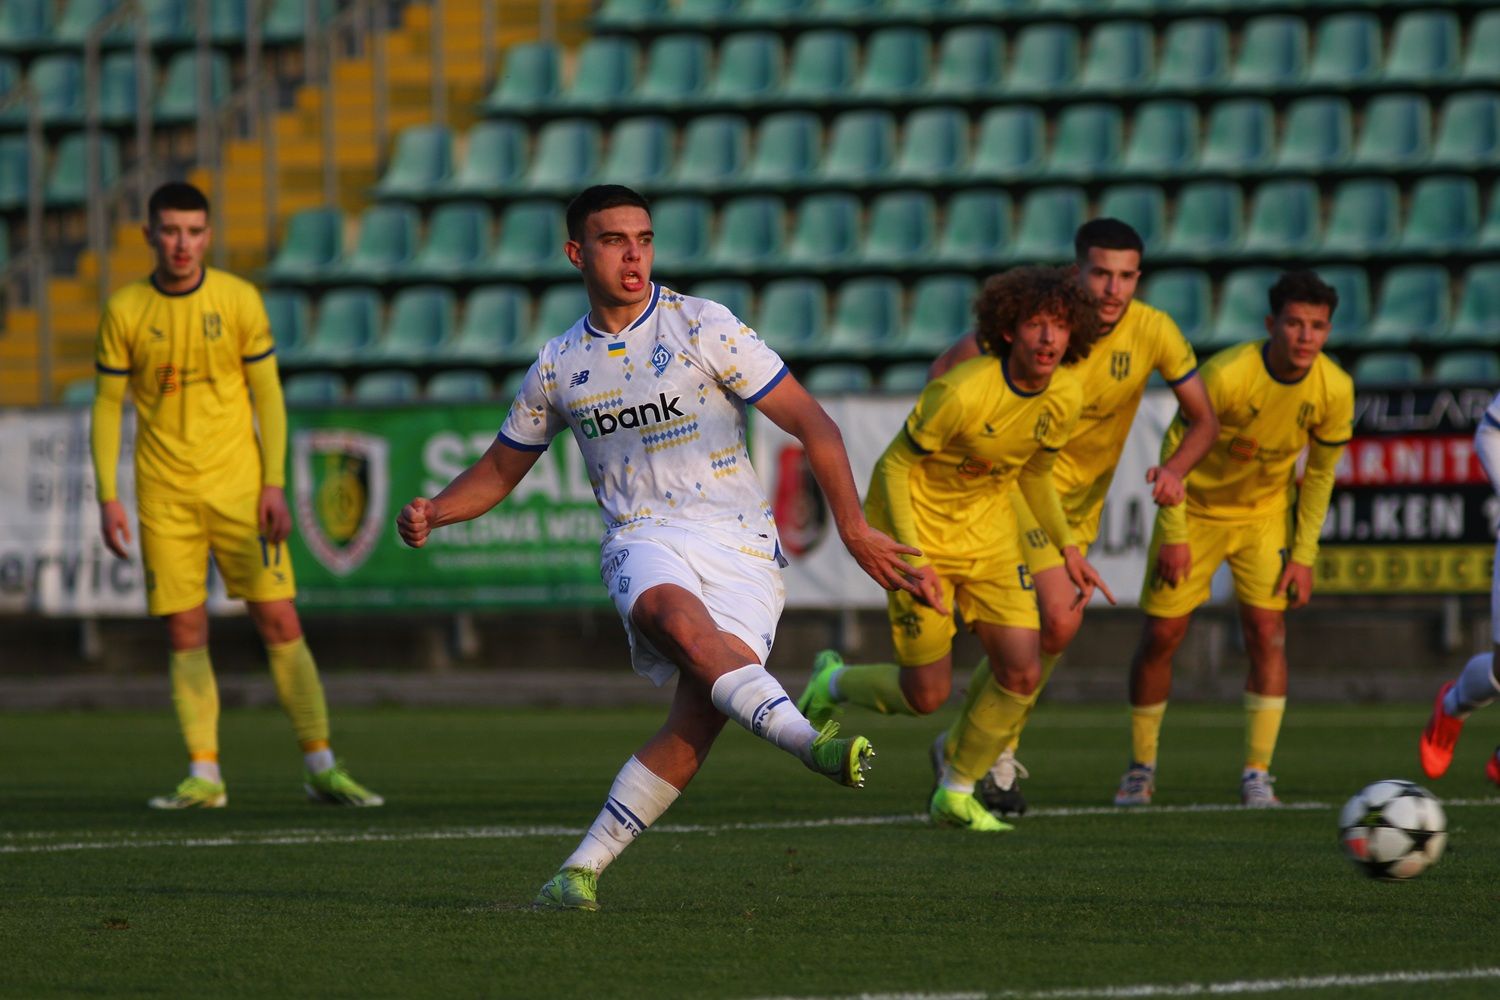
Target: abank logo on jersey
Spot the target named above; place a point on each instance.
(606, 422)
(342, 488)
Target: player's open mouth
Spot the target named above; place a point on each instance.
(632, 280)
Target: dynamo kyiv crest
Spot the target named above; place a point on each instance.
(342, 490)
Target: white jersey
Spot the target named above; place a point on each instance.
(1487, 442)
(658, 411)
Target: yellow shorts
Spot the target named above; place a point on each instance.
(1038, 549)
(996, 590)
(1257, 552)
(177, 537)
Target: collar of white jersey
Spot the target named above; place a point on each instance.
(646, 314)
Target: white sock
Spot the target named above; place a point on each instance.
(833, 684)
(318, 761)
(1476, 687)
(636, 799)
(208, 770)
(953, 783)
(757, 701)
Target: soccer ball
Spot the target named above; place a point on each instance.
(1393, 830)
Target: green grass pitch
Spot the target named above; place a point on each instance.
(741, 891)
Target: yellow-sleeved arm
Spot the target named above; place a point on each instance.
(1312, 499)
(104, 433)
(1036, 485)
(1173, 519)
(270, 414)
(892, 480)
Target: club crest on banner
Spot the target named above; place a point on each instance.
(342, 488)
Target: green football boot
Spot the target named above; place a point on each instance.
(815, 702)
(569, 889)
(334, 787)
(193, 793)
(963, 811)
(843, 760)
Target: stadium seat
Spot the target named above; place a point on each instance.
(1143, 206)
(1346, 52)
(530, 80)
(11, 77)
(1049, 218)
(895, 64)
(826, 233)
(788, 146)
(1273, 53)
(1285, 219)
(348, 319)
(861, 147)
(838, 377)
(68, 181)
(57, 82)
(458, 238)
(169, 22)
(1385, 368)
(749, 69)
(907, 378)
(529, 240)
(677, 71)
(682, 230)
(1240, 136)
(559, 308)
(700, 13)
(1121, 58)
(510, 385)
(640, 151)
(792, 315)
(934, 145)
(1469, 131)
(901, 230)
(117, 87)
(821, 68)
(313, 243)
(1482, 64)
(1413, 305)
(1242, 307)
(1194, 56)
(78, 17)
(493, 163)
(777, 12)
(1443, 215)
(422, 161)
(1364, 219)
(387, 243)
(228, 21)
(1489, 234)
(1351, 319)
(604, 74)
(630, 14)
(752, 232)
(420, 320)
(313, 389)
(1010, 145)
(286, 20)
(495, 319)
(941, 312)
(291, 321)
(1206, 221)
(1396, 131)
(1477, 368)
(1318, 135)
(1044, 60)
(1425, 49)
(177, 102)
(566, 157)
(461, 386)
(714, 152)
(734, 294)
(1185, 294)
(970, 63)
(386, 388)
(976, 228)
(866, 317)
(1478, 317)
(1163, 139)
(26, 25)
(1087, 140)
(79, 392)
(15, 171)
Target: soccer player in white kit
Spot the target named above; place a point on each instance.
(654, 386)
(1478, 683)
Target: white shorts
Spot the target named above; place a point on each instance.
(1495, 596)
(743, 593)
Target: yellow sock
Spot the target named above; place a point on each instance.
(1262, 725)
(1049, 661)
(876, 686)
(989, 718)
(1145, 732)
(301, 692)
(196, 696)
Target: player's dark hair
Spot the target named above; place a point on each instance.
(175, 196)
(1302, 286)
(597, 199)
(1010, 299)
(1106, 234)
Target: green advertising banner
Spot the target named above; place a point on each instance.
(350, 471)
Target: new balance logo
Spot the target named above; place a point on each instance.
(603, 423)
(578, 379)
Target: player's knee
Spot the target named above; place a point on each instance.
(1264, 633)
(1164, 635)
(276, 621)
(1058, 630)
(926, 698)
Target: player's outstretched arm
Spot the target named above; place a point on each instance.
(1190, 443)
(475, 491)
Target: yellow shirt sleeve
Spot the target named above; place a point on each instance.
(892, 481)
(264, 383)
(104, 433)
(1338, 425)
(1175, 359)
(1173, 519)
(1036, 485)
(1312, 499)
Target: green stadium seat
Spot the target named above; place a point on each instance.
(313, 389)
(681, 226)
(1318, 137)
(792, 315)
(677, 71)
(493, 163)
(1087, 141)
(630, 14)
(286, 20)
(461, 386)
(604, 74)
(778, 12)
(861, 148)
(700, 13)
(788, 146)
(57, 82)
(510, 386)
(734, 294)
(1121, 58)
(1163, 139)
(749, 69)
(1186, 294)
(1273, 53)
(566, 157)
(1044, 60)
(348, 319)
(1194, 55)
(15, 171)
(79, 392)
(1413, 305)
(458, 238)
(841, 11)
(1011, 143)
(976, 228)
(68, 181)
(117, 88)
(496, 318)
(11, 77)
(941, 312)
(1143, 206)
(1387, 368)
(530, 80)
(1478, 317)
(1346, 52)
(386, 245)
(895, 65)
(826, 232)
(313, 243)
(1207, 220)
(228, 21)
(177, 102)
(559, 308)
(822, 66)
(1477, 368)
(1351, 319)
(752, 232)
(1489, 234)
(1469, 133)
(529, 241)
(1425, 48)
(1365, 218)
(866, 317)
(970, 63)
(1482, 64)
(715, 149)
(902, 228)
(838, 378)
(1242, 307)
(386, 388)
(640, 151)
(422, 161)
(420, 320)
(1395, 134)
(934, 145)
(76, 20)
(1049, 218)
(26, 25)
(907, 378)
(291, 320)
(1285, 219)
(169, 22)
(1443, 215)
(1240, 136)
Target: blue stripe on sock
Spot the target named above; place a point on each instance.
(610, 805)
(633, 816)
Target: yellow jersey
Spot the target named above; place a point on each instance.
(184, 355)
(974, 432)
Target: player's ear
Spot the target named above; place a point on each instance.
(574, 250)
(1270, 323)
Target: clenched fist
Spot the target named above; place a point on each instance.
(414, 522)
